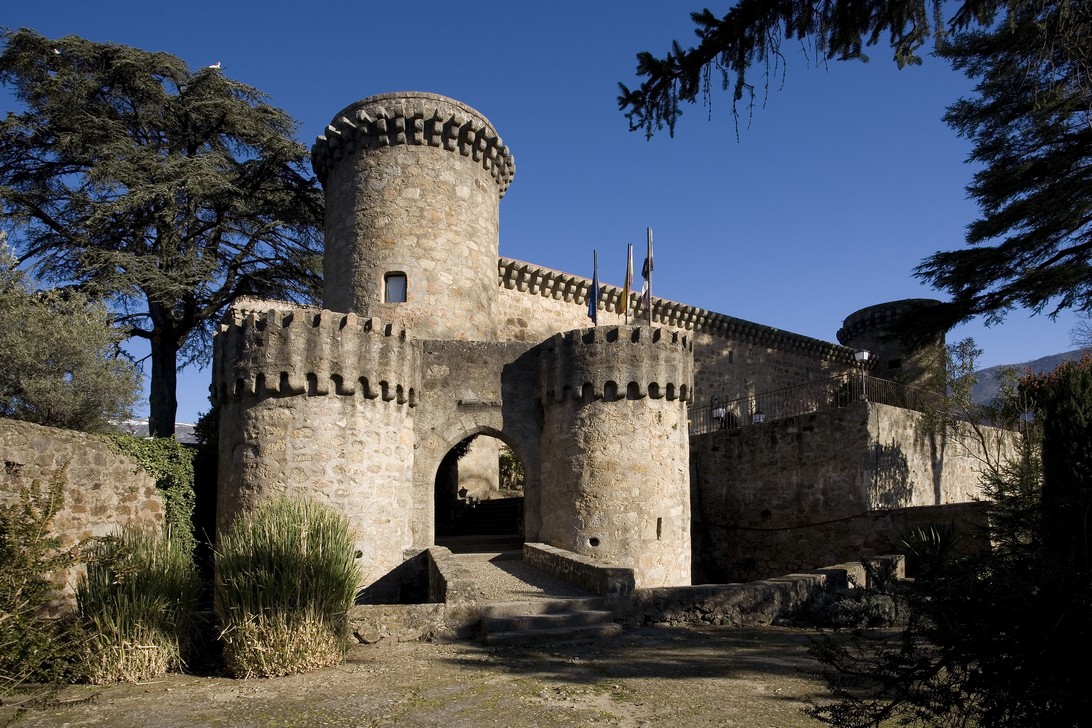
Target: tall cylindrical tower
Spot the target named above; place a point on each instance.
(320, 405)
(616, 484)
(870, 329)
(413, 184)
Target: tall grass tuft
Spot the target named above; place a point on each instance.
(136, 606)
(286, 576)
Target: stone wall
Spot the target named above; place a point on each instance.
(104, 489)
(320, 404)
(413, 182)
(604, 495)
(822, 488)
(733, 358)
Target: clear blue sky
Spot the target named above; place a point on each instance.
(842, 183)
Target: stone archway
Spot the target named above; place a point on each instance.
(476, 507)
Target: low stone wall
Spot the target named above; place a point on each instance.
(370, 623)
(103, 489)
(613, 582)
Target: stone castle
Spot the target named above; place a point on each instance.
(428, 337)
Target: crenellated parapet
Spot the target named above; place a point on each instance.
(415, 119)
(538, 281)
(301, 351)
(611, 363)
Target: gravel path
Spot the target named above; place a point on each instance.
(505, 577)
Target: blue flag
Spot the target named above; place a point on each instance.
(593, 294)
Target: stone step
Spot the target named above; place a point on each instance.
(521, 622)
(553, 634)
(542, 606)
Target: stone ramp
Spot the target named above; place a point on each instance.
(527, 606)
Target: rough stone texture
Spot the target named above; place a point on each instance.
(601, 496)
(104, 489)
(823, 488)
(413, 183)
(370, 623)
(319, 404)
(479, 469)
(613, 582)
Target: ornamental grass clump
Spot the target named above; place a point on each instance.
(136, 606)
(286, 576)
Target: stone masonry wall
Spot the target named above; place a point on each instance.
(319, 404)
(604, 494)
(805, 491)
(733, 358)
(104, 489)
(413, 182)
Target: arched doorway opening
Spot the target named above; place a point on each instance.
(479, 497)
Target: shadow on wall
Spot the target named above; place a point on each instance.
(891, 486)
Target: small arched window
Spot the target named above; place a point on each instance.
(394, 288)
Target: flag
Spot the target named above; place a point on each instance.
(593, 293)
(646, 273)
(628, 285)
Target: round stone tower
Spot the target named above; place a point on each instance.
(413, 185)
(616, 484)
(319, 404)
(870, 329)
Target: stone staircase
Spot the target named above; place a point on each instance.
(545, 620)
(522, 605)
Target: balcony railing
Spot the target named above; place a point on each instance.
(806, 398)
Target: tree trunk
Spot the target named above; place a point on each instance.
(163, 399)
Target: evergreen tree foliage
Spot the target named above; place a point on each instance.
(60, 365)
(1029, 124)
(1031, 127)
(167, 192)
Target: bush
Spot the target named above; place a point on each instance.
(136, 606)
(30, 648)
(286, 576)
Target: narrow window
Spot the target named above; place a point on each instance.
(394, 288)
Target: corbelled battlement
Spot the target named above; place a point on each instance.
(615, 363)
(548, 283)
(299, 351)
(416, 119)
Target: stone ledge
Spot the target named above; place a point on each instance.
(612, 582)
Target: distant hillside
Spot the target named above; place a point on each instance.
(989, 380)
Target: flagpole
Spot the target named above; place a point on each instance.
(593, 291)
(648, 278)
(629, 280)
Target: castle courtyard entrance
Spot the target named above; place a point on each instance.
(479, 497)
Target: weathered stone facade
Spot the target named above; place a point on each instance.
(104, 490)
(428, 337)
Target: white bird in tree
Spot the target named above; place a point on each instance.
(215, 65)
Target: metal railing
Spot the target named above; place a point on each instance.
(802, 399)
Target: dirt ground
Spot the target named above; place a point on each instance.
(655, 676)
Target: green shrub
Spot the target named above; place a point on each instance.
(136, 606)
(30, 646)
(286, 575)
(171, 464)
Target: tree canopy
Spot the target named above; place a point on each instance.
(61, 366)
(1030, 124)
(166, 192)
